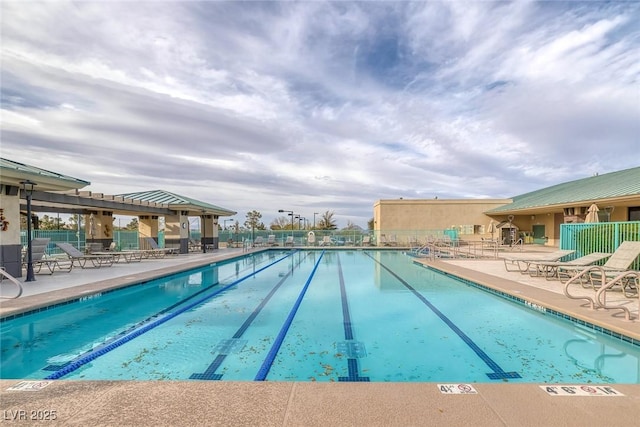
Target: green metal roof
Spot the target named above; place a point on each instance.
(11, 171)
(612, 185)
(176, 201)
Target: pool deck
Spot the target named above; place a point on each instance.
(145, 403)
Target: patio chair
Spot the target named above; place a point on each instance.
(81, 259)
(271, 240)
(619, 262)
(289, 241)
(383, 240)
(366, 241)
(326, 241)
(194, 245)
(126, 256)
(393, 240)
(549, 269)
(157, 250)
(259, 241)
(39, 258)
(523, 265)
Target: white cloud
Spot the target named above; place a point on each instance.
(321, 106)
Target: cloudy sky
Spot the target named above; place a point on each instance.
(317, 106)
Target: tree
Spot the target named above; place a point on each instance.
(253, 221)
(370, 224)
(327, 222)
(45, 222)
(281, 223)
(352, 226)
(133, 224)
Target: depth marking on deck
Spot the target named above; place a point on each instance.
(498, 373)
(29, 386)
(580, 390)
(457, 389)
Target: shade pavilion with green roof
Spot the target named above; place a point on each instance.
(177, 225)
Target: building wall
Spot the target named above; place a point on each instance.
(403, 216)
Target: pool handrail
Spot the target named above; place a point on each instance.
(13, 280)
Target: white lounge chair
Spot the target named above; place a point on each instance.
(289, 241)
(81, 259)
(39, 258)
(326, 241)
(271, 240)
(523, 265)
(619, 262)
(157, 250)
(549, 269)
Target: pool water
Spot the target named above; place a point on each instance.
(311, 316)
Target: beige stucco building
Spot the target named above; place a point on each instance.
(535, 217)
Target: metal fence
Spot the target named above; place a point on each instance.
(587, 238)
(124, 239)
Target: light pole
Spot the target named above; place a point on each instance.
(224, 222)
(290, 213)
(27, 186)
(314, 220)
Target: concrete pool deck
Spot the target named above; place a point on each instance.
(143, 403)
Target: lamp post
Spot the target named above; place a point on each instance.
(27, 186)
(290, 213)
(224, 225)
(314, 220)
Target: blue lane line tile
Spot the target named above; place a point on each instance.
(353, 349)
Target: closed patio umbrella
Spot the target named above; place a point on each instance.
(491, 228)
(592, 214)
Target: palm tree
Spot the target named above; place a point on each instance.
(327, 222)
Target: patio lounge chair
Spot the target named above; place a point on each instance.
(271, 240)
(326, 241)
(126, 256)
(550, 269)
(289, 241)
(39, 258)
(259, 241)
(523, 265)
(619, 262)
(81, 259)
(366, 241)
(156, 250)
(194, 245)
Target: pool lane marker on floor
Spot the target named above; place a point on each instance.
(146, 327)
(351, 348)
(273, 352)
(235, 345)
(498, 373)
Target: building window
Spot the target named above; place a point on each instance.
(634, 213)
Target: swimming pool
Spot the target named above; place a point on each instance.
(339, 315)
